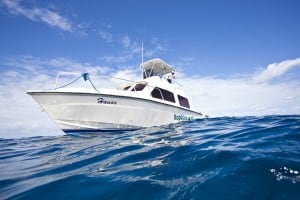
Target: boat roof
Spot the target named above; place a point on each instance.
(157, 66)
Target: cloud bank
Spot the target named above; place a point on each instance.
(256, 95)
(241, 97)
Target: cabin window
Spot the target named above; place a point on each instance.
(163, 94)
(156, 93)
(127, 87)
(184, 102)
(138, 87)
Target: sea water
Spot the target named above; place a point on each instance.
(216, 158)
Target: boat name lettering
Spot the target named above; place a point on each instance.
(102, 100)
(182, 117)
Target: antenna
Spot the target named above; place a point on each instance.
(142, 52)
(142, 60)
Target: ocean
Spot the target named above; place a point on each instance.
(214, 158)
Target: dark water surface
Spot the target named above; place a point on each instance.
(219, 158)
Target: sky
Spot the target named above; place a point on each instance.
(233, 57)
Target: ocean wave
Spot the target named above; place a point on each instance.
(218, 158)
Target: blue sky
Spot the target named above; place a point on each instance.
(216, 37)
(236, 57)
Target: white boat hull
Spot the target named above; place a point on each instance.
(103, 112)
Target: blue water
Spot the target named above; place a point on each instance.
(218, 158)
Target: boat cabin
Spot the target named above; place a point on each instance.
(159, 84)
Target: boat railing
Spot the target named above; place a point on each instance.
(59, 74)
(86, 77)
(78, 75)
(149, 87)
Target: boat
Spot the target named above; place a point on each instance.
(157, 99)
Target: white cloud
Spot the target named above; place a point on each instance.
(131, 46)
(45, 66)
(45, 15)
(126, 41)
(128, 52)
(156, 47)
(241, 97)
(20, 116)
(132, 49)
(148, 53)
(117, 59)
(275, 70)
(247, 94)
(106, 36)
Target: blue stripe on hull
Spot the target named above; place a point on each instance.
(96, 130)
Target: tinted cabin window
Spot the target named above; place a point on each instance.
(126, 88)
(156, 93)
(163, 94)
(168, 96)
(138, 87)
(184, 102)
